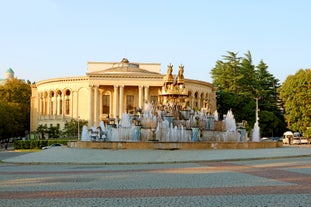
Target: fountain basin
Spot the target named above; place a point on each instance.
(202, 145)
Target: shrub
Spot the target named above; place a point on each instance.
(36, 144)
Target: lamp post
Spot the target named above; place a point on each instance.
(257, 110)
(78, 127)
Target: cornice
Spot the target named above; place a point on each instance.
(63, 80)
(124, 76)
(198, 82)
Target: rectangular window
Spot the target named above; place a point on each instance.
(67, 106)
(60, 106)
(45, 107)
(51, 107)
(106, 104)
(154, 100)
(130, 104)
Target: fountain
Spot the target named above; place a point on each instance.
(171, 124)
(85, 134)
(256, 132)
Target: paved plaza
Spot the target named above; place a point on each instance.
(85, 177)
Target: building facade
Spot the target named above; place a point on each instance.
(108, 90)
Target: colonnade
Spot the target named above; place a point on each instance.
(55, 103)
(117, 102)
(65, 102)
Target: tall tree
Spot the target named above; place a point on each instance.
(226, 75)
(15, 99)
(239, 82)
(296, 95)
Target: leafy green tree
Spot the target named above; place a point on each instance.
(227, 74)
(296, 95)
(8, 124)
(14, 108)
(239, 82)
(42, 129)
(71, 127)
(53, 131)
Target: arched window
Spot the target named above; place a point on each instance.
(67, 102)
(52, 102)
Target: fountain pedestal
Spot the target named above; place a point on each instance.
(195, 134)
(135, 133)
(169, 119)
(109, 131)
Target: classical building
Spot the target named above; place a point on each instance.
(108, 90)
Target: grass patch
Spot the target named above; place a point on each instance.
(27, 150)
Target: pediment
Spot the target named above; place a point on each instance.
(123, 70)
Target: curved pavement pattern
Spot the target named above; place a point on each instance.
(246, 178)
(95, 156)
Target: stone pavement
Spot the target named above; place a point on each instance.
(244, 178)
(95, 156)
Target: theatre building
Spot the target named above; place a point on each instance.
(108, 90)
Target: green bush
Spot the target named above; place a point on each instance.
(36, 144)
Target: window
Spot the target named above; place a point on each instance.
(60, 106)
(67, 102)
(67, 107)
(154, 100)
(130, 103)
(106, 104)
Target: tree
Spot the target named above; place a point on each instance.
(14, 108)
(296, 95)
(71, 127)
(8, 124)
(226, 75)
(42, 129)
(239, 82)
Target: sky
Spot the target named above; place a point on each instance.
(43, 39)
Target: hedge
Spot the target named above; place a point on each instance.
(36, 144)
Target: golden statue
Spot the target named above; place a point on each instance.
(180, 76)
(168, 79)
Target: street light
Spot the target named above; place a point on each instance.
(78, 127)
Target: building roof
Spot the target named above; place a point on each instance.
(124, 66)
(126, 69)
(10, 70)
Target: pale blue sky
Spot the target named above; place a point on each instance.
(42, 39)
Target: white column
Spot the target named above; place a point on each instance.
(48, 103)
(54, 104)
(192, 101)
(75, 104)
(146, 93)
(71, 104)
(43, 106)
(90, 106)
(115, 101)
(96, 104)
(140, 96)
(58, 105)
(121, 108)
(100, 102)
(63, 98)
